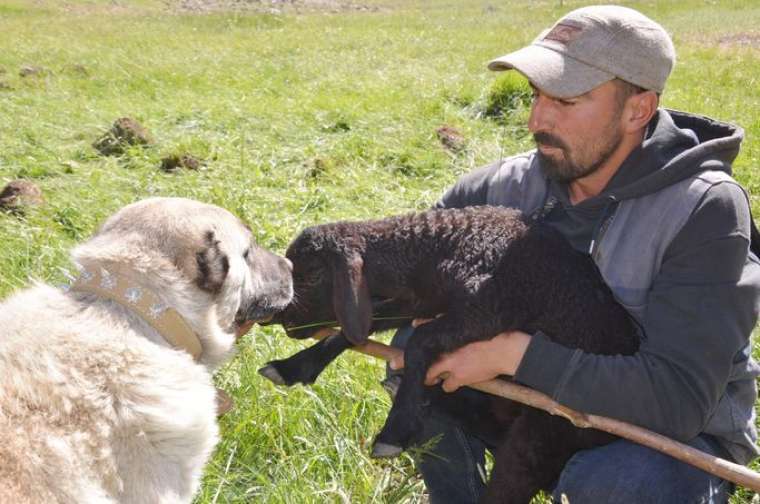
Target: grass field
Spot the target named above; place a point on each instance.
(300, 116)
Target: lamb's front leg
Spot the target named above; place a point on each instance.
(306, 365)
(404, 421)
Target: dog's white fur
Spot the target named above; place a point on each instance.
(95, 406)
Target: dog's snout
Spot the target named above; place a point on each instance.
(274, 275)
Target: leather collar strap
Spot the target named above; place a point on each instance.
(164, 319)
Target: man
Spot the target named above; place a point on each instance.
(648, 193)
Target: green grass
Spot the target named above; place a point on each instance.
(300, 118)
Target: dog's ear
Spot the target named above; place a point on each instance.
(213, 265)
(351, 297)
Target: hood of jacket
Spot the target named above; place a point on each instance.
(678, 145)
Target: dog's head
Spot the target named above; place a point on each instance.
(201, 260)
(329, 285)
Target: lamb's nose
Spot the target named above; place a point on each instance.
(288, 264)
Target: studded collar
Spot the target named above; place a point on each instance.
(164, 319)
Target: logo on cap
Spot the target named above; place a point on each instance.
(564, 33)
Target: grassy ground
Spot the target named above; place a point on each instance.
(301, 116)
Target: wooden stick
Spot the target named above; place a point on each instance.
(709, 463)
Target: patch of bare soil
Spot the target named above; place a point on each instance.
(18, 194)
(32, 70)
(124, 132)
(269, 6)
(451, 138)
(744, 40)
(177, 161)
(85, 8)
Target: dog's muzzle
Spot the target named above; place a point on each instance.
(258, 313)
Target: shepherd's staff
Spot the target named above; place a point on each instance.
(709, 463)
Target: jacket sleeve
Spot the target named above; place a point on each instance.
(701, 310)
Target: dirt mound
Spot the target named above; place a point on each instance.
(124, 132)
(177, 161)
(18, 194)
(32, 70)
(270, 6)
(745, 39)
(451, 138)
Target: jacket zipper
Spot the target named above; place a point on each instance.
(608, 214)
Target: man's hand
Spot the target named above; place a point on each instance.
(398, 362)
(480, 361)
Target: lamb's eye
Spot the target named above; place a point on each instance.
(246, 253)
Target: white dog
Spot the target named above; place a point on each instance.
(105, 388)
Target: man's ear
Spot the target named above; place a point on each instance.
(351, 297)
(639, 110)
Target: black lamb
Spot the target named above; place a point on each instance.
(486, 270)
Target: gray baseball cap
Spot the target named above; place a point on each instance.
(592, 45)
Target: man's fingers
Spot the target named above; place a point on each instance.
(439, 371)
(450, 384)
(433, 375)
(397, 362)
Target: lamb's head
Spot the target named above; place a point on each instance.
(329, 285)
(198, 259)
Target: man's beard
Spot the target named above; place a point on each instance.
(566, 170)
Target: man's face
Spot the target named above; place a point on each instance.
(575, 136)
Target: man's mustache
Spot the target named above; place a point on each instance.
(548, 140)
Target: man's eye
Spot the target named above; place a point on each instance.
(566, 103)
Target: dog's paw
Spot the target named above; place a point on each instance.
(270, 373)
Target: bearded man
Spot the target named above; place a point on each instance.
(648, 193)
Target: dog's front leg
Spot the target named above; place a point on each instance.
(306, 365)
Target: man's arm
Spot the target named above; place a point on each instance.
(701, 310)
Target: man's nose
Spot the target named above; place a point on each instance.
(540, 115)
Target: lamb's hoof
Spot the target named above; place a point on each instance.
(270, 373)
(384, 450)
(391, 385)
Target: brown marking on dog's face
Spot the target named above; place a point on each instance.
(213, 265)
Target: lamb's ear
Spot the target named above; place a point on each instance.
(351, 298)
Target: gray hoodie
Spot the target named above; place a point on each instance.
(670, 234)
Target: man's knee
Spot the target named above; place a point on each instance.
(625, 472)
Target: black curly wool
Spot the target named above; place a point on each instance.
(486, 270)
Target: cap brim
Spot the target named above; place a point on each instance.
(552, 72)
